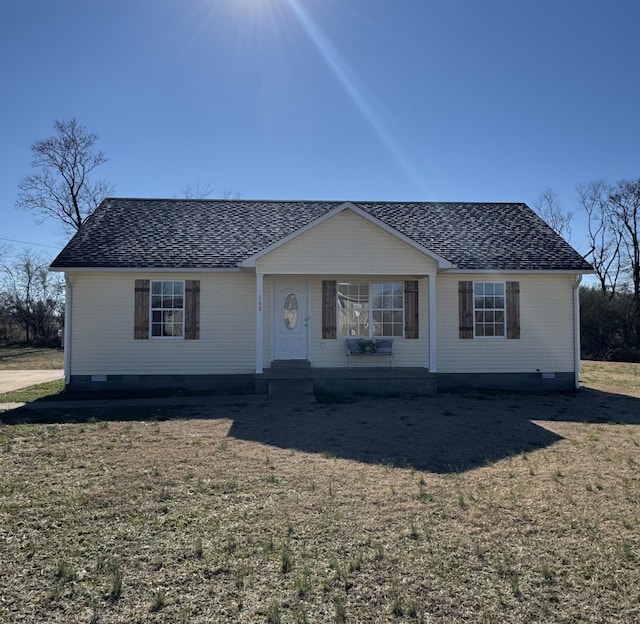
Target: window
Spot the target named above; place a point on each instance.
(291, 311)
(167, 309)
(149, 309)
(489, 309)
(370, 309)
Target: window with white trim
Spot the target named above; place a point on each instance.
(370, 309)
(489, 309)
(167, 309)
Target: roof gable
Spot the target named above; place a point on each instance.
(442, 263)
(349, 244)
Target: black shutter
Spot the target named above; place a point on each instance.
(329, 308)
(141, 313)
(465, 309)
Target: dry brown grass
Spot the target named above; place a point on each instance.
(619, 377)
(30, 358)
(498, 508)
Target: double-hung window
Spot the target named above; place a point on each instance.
(489, 309)
(370, 309)
(167, 309)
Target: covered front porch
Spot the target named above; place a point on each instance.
(313, 319)
(346, 276)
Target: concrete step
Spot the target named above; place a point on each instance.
(291, 390)
(283, 365)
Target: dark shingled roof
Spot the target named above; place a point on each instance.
(186, 233)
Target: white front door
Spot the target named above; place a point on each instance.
(290, 321)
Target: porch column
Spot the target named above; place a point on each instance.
(433, 366)
(259, 321)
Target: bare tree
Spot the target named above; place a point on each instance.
(613, 221)
(548, 207)
(624, 200)
(62, 188)
(604, 234)
(204, 190)
(32, 297)
(197, 190)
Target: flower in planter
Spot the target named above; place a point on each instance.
(367, 347)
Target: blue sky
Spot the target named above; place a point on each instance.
(451, 100)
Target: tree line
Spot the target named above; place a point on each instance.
(31, 302)
(610, 309)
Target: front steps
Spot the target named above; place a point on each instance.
(287, 381)
(295, 379)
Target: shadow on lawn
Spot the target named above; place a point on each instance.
(588, 405)
(409, 439)
(442, 434)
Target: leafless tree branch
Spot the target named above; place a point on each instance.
(62, 188)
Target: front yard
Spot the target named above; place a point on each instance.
(476, 508)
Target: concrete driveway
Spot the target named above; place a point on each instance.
(16, 379)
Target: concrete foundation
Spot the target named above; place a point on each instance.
(223, 384)
(380, 381)
(516, 382)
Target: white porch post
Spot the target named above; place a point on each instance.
(259, 323)
(433, 366)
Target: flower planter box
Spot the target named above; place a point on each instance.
(378, 347)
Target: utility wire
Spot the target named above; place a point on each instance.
(11, 240)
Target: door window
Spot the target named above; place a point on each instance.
(290, 311)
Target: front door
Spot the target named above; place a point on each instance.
(290, 321)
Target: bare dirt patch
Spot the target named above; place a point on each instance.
(478, 508)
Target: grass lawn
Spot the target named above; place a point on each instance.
(620, 377)
(30, 358)
(499, 508)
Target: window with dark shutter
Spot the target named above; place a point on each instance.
(513, 309)
(329, 309)
(141, 313)
(411, 309)
(465, 309)
(172, 309)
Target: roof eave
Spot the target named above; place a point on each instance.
(141, 269)
(567, 271)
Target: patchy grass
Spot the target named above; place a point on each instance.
(443, 509)
(55, 391)
(619, 377)
(49, 389)
(30, 358)
(92, 415)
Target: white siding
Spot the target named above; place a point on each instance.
(546, 328)
(103, 320)
(346, 244)
(102, 326)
